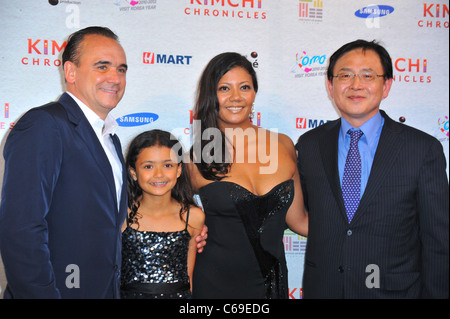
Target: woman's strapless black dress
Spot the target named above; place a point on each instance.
(244, 255)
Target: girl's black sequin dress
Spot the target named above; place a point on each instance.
(154, 264)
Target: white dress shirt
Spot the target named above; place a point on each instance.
(103, 130)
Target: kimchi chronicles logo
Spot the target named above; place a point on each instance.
(5, 122)
(43, 52)
(434, 15)
(231, 9)
(411, 70)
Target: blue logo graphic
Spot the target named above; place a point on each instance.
(374, 11)
(137, 119)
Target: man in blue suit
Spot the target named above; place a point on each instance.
(63, 203)
(396, 244)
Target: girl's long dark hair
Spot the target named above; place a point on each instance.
(182, 191)
(206, 110)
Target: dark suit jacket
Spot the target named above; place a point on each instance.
(400, 228)
(59, 216)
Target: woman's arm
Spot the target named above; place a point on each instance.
(297, 216)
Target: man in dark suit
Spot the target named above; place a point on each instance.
(63, 203)
(394, 242)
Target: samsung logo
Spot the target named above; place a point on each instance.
(137, 119)
(374, 11)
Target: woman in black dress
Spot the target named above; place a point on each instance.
(249, 187)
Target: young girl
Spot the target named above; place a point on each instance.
(158, 239)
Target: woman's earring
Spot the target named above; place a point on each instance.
(252, 112)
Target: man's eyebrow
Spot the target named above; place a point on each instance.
(101, 62)
(351, 70)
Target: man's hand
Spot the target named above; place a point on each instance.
(201, 239)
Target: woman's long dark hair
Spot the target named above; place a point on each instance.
(206, 110)
(182, 192)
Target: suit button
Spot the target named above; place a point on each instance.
(341, 269)
(349, 232)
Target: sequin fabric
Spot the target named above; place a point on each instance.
(244, 255)
(154, 258)
(255, 212)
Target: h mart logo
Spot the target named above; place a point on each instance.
(303, 123)
(155, 58)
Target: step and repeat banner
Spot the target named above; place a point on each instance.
(169, 42)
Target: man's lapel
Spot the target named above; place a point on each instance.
(329, 151)
(388, 149)
(87, 134)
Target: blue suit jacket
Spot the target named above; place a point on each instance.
(401, 225)
(59, 219)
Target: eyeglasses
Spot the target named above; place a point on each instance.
(365, 77)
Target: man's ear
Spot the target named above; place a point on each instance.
(69, 71)
(330, 89)
(387, 87)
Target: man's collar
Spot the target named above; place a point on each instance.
(369, 128)
(107, 126)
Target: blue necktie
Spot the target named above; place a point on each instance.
(351, 183)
